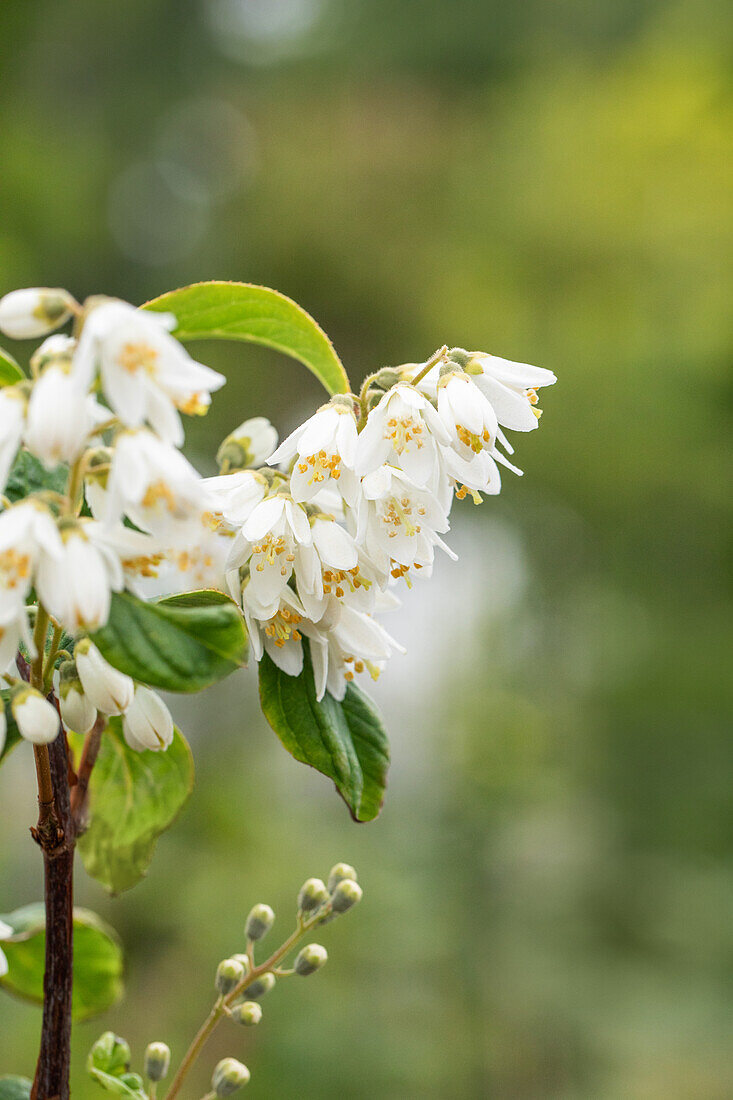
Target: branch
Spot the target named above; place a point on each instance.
(80, 793)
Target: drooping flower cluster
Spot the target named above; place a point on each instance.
(312, 539)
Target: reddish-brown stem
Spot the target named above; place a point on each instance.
(80, 793)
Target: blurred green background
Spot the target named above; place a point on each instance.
(548, 892)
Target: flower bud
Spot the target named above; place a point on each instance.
(313, 894)
(229, 1076)
(157, 1061)
(248, 1013)
(346, 894)
(108, 689)
(53, 348)
(147, 722)
(338, 873)
(26, 314)
(387, 377)
(36, 718)
(229, 974)
(249, 445)
(460, 357)
(311, 958)
(259, 922)
(110, 1053)
(77, 710)
(259, 987)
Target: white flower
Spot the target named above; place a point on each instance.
(471, 476)
(511, 388)
(152, 483)
(328, 569)
(78, 713)
(279, 633)
(403, 430)
(108, 689)
(59, 416)
(249, 445)
(27, 314)
(12, 422)
(325, 446)
(467, 415)
(147, 723)
(354, 643)
(76, 587)
(235, 495)
(398, 523)
(268, 541)
(37, 719)
(26, 531)
(5, 933)
(147, 376)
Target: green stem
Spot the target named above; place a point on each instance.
(434, 358)
(53, 651)
(222, 1005)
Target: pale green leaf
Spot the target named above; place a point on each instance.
(97, 960)
(133, 798)
(243, 311)
(15, 1088)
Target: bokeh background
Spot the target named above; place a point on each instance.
(548, 891)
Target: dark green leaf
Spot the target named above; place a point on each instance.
(97, 960)
(10, 372)
(134, 797)
(183, 643)
(28, 475)
(242, 311)
(345, 741)
(15, 1088)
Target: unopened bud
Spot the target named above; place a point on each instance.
(338, 873)
(27, 314)
(248, 1013)
(37, 719)
(157, 1061)
(313, 894)
(110, 690)
(259, 987)
(229, 1076)
(249, 445)
(346, 895)
(460, 356)
(259, 922)
(229, 974)
(110, 1053)
(77, 710)
(387, 377)
(311, 958)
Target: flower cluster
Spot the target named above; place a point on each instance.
(312, 538)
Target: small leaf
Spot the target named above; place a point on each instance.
(15, 1088)
(29, 475)
(10, 372)
(345, 741)
(12, 736)
(97, 960)
(243, 311)
(133, 797)
(182, 643)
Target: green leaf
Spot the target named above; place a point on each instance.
(130, 1084)
(97, 960)
(12, 736)
(10, 372)
(15, 1088)
(29, 475)
(182, 643)
(133, 797)
(345, 741)
(243, 311)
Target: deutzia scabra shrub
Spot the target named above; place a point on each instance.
(123, 571)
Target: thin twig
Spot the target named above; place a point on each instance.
(80, 793)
